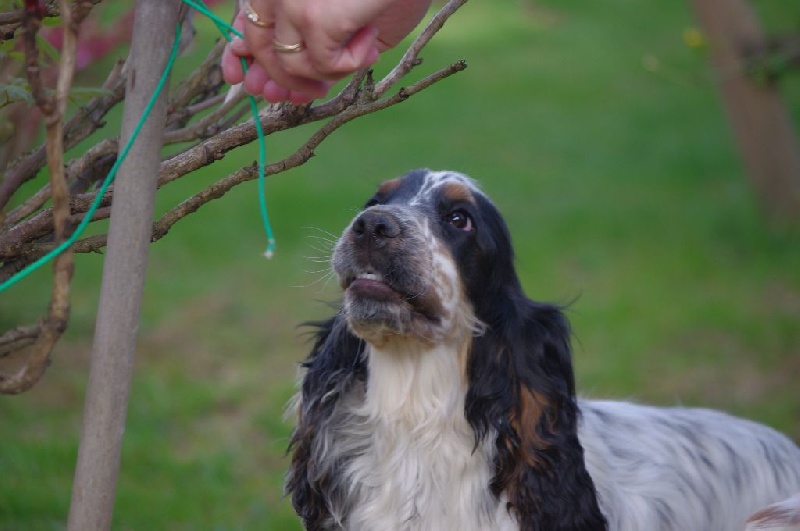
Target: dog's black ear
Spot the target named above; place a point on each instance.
(522, 391)
(335, 362)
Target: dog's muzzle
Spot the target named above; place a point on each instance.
(384, 265)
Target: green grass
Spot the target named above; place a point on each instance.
(623, 193)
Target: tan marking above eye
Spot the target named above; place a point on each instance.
(457, 192)
(390, 186)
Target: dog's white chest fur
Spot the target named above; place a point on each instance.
(412, 459)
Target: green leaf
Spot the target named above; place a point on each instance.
(15, 90)
(80, 95)
(47, 49)
(51, 21)
(7, 46)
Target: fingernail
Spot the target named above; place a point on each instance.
(373, 55)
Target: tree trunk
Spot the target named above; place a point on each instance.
(761, 124)
(111, 369)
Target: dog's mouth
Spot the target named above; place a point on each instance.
(371, 290)
(388, 293)
(373, 286)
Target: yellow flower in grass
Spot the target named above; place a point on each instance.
(694, 38)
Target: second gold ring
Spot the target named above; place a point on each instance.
(281, 47)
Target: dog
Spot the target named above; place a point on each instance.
(439, 397)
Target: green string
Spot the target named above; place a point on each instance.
(225, 29)
(106, 183)
(222, 25)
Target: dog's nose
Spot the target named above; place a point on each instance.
(380, 225)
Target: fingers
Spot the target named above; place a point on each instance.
(262, 41)
(256, 80)
(258, 83)
(275, 93)
(232, 71)
(230, 62)
(331, 49)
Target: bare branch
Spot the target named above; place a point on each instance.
(36, 362)
(12, 20)
(85, 121)
(208, 126)
(18, 16)
(32, 21)
(205, 79)
(410, 57)
(18, 338)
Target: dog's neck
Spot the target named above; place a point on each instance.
(414, 443)
(416, 385)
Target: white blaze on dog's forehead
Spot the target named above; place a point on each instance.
(436, 179)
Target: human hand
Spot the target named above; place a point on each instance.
(326, 40)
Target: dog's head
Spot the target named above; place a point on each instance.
(416, 263)
(428, 262)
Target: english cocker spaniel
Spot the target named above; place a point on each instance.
(441, 398)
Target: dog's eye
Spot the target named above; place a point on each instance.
(460, 220)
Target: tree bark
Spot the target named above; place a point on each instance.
(761, 123)
(118, 312)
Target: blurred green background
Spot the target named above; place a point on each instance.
(597, 131)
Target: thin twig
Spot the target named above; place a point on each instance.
(83, 123)
(82, 172)
(205, 79)
(12, 20)
(32, 21)
(205, 127)
(410, 57)
(18, 338)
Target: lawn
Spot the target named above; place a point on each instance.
(597, 132)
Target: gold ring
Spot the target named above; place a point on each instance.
(253, 17)
(287, 48)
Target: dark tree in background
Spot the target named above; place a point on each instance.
(747, 64)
